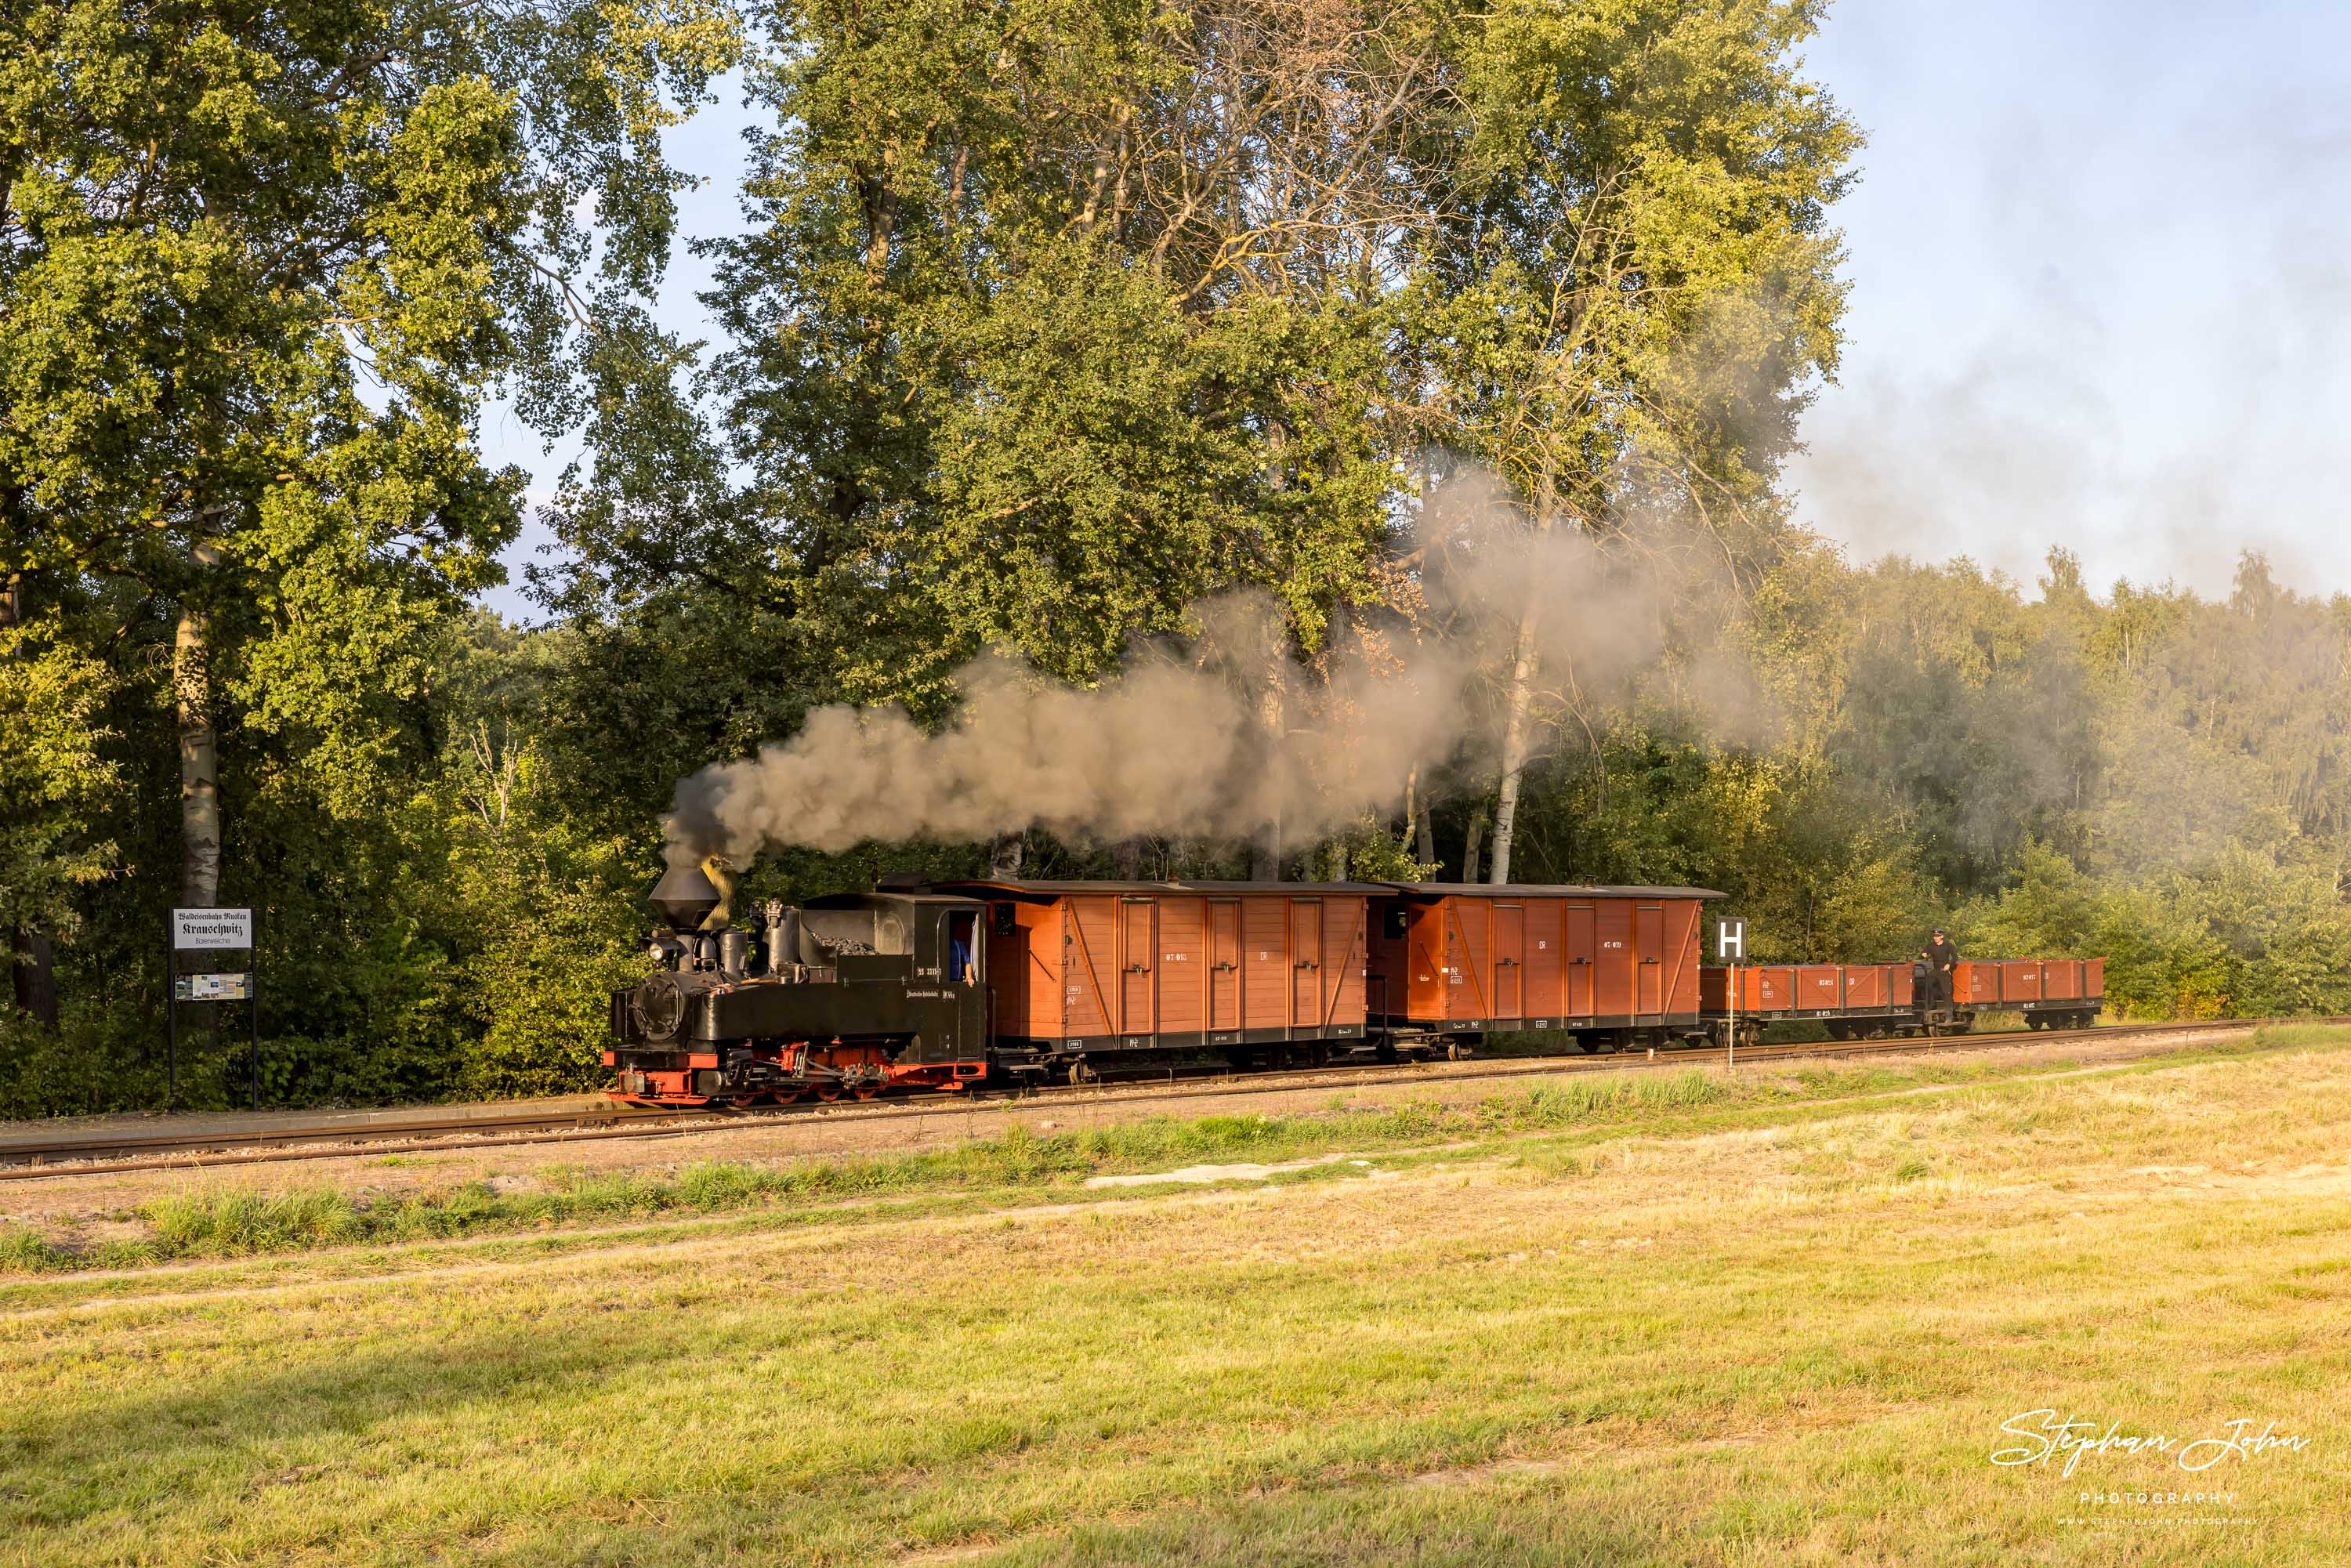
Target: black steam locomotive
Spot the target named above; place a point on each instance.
(850, 993)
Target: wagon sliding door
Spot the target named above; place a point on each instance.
(1575, 1000)
(1138, 968)
(1224, 965)
(1306, 963)
(1510, 969)
(1649, 969)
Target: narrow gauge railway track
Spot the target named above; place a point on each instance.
(97, 1153)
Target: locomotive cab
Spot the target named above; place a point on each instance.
(848, 994)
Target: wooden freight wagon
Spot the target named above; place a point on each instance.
(1617, 965)
(1259, 971)
(2052, 993)
(1858, 1000)
(1855, 1000)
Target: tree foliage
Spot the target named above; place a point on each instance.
(1046, 321)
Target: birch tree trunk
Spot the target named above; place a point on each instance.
(200, 816)
(1517, 722)
(1264, 851)
(1514, 742)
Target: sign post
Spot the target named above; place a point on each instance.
(215, 931)
(1730, 949)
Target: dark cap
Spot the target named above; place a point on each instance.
(1940, 932)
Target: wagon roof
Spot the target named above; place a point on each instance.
(1048, 889)
(1540, 890)
(859, 900)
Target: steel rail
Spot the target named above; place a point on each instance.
(81, 1156)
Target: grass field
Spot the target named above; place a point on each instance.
(1750, 1325)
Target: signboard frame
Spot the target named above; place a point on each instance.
(214, 929)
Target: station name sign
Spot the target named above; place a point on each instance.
(210, 929)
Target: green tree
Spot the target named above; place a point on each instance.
(53, 777)
(1633, 286)
(1058, 318)
(260, 269)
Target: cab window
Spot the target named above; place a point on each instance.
(963, 952)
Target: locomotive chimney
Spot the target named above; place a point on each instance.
(683, 897)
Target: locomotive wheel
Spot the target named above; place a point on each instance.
(827, 1093)
(791, 1096)
(867, 1090)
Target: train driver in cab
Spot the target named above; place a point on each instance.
(960, 930)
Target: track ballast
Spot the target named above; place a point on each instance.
(89, 1154)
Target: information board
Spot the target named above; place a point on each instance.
(233, 988)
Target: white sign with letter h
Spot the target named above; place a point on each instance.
(1730, 941)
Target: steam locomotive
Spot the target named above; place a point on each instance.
(937, 986)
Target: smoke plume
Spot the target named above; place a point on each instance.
(1221, 734)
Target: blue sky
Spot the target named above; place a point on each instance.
(2100, 294)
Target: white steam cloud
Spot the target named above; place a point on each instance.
(1222, 734)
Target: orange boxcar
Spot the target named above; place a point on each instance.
(1467, 958)
(1104, 966)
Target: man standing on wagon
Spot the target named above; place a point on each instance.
(1942, 958)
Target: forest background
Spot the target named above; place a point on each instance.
(1050, 322)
